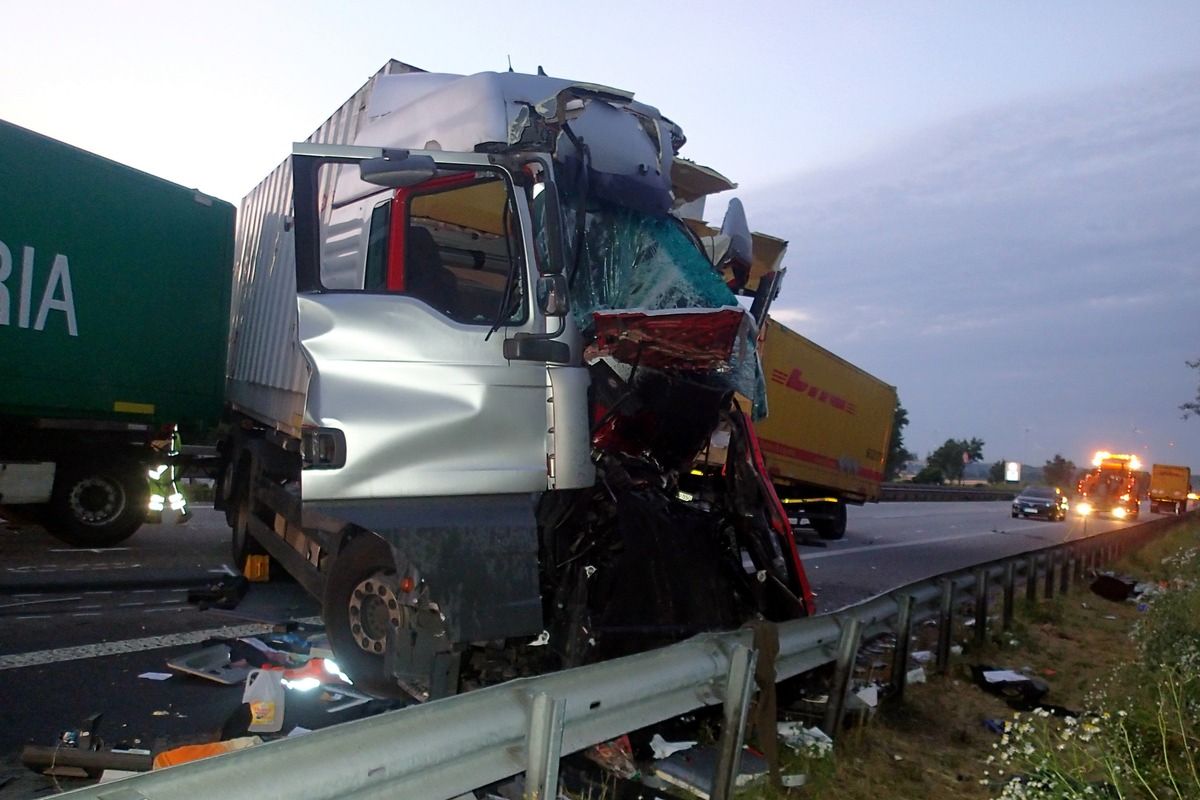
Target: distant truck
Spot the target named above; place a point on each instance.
(1111, 488)
(114, 286)
(1169, 488)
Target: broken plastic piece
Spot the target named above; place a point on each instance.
(693, 770)
(193, 752)
(869, 695)
(662, 748)
(615, 756)
(212, 663)
(813, 740)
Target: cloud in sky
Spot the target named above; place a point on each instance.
(1036, 266)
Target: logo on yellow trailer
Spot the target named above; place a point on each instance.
(795, 381)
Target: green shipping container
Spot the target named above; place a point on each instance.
(114, 289)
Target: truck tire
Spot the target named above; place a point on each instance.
(358, 609)
(835, 528)
(99, 503)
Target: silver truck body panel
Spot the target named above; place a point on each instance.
(267, 374)
(428, 407)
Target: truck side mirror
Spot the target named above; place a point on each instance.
(552, 295)
(552, 222)
(397, 169)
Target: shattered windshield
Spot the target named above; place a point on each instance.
(632, 260)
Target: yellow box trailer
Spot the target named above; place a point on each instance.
(1169, 488)
(826, 435)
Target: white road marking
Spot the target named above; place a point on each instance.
(55, 656)
(96, 550)
(38, 602)
(893, 545)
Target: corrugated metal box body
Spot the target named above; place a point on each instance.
(829, 422)
(267, 372)
(114, 286)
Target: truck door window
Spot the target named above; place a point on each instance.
(452, 242)
(456, 249)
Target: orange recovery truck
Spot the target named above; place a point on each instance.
(1111, 488)
(1170, 487)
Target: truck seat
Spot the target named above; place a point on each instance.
(426, 277)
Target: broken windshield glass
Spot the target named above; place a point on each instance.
(631, 260)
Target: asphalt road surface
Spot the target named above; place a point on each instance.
(79, 627)
(889, 545)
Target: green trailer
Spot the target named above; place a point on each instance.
(114, 327)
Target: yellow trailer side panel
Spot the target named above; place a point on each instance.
(828, 422)
(1168, 482)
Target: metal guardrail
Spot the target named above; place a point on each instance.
(448, 747)
(919, 492)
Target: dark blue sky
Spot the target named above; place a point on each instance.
(1028, 274)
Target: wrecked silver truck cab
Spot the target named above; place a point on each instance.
(527, 390)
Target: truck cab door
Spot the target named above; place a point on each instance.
(407, 295)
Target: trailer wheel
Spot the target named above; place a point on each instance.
(360, 610)
(98, 504)
(835, 528)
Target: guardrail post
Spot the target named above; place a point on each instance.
(945, 626)
(1031, 576)
(981, 605)
(543, 746)
(1064, 575)
(847, 648)
(904, 615)
(1078, 558)
(1010, 591)
(1050, 555)
(733, 729)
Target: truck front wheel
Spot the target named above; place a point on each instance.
(98, 504)
(360, 610)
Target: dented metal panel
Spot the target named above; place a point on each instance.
(267, 373)
(428, 407)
